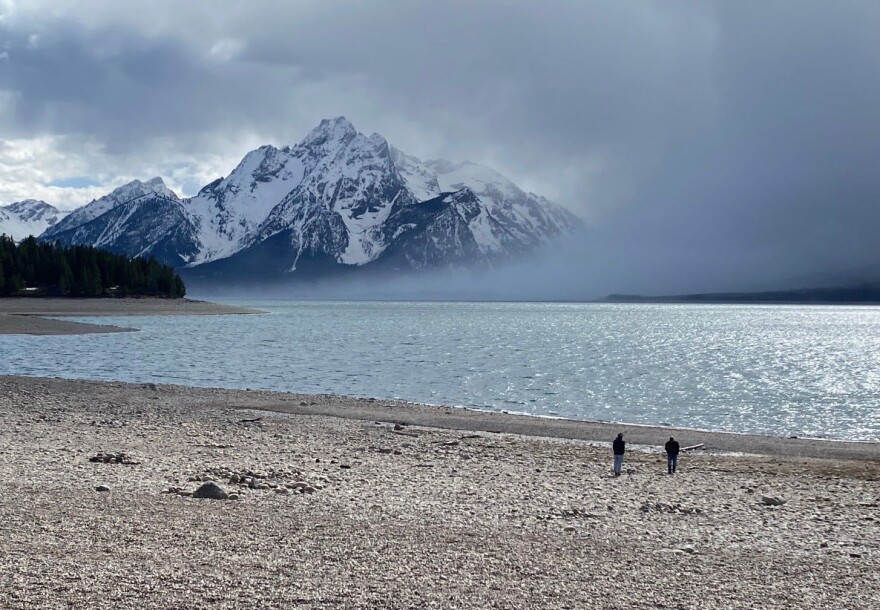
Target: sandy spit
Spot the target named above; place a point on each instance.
(23, 315)
(412, 517)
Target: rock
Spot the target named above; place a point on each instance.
(688, 549)
(855, 555)
(233, 497)
(235, 478)
(303, 403)
(570, 528)
(102, 488)
(211, 491)
(308, 489)
(773, 500)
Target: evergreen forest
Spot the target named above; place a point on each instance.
(33, 268)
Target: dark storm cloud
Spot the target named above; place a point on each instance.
(710, 145)
(125, 88)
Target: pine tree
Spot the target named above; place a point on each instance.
(81, 271)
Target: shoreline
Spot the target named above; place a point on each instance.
(329, 501)
(35, 315)
(469, 419)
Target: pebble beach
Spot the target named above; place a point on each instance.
(336, 502)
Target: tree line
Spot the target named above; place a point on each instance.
(50, 269)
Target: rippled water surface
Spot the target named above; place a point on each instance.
(786, 370)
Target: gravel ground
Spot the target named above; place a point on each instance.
(351, 513)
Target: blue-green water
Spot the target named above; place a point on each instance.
(782, 370)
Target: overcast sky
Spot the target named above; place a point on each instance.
(709, 145)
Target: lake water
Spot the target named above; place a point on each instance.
(780, 370)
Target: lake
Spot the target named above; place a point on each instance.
(779, 370)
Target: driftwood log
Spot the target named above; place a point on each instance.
(693, 447)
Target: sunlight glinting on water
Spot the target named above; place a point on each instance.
(782, 370)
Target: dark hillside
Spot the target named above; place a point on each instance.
(32, 268)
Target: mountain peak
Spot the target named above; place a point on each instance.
(29, 204)
(330, 132)
(28, 217)
(137, 188)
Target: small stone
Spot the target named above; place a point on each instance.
(308, 489)
(303, 403)
(570, 528)
(855, 555)
(102, 488)
(688, 549)
(235, 478)
(210, 490)
(773, 500)
(233, 496)
(184, 493)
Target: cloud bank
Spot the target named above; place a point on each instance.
(709, 145)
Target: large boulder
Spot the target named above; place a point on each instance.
(211, 491)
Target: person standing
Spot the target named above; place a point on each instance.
(619, 446)
(672, 449)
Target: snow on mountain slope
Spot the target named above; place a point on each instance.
(419, 178)
(348, 177)
(118, 196)
(228, 211)
(510, 217)
(148, 225)
(29, 217)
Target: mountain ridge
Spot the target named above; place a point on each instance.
(337, 198)
(28, 217)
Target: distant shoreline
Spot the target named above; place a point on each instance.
(33, 316)
(476, 420)
(860, 295)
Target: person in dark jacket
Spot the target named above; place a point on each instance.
(619, 446)
(672, 449)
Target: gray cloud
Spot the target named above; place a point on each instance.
(710, 145)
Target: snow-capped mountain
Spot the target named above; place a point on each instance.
(29, 217)
(119, 196)
(337, 200)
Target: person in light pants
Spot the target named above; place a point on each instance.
(619, 446)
